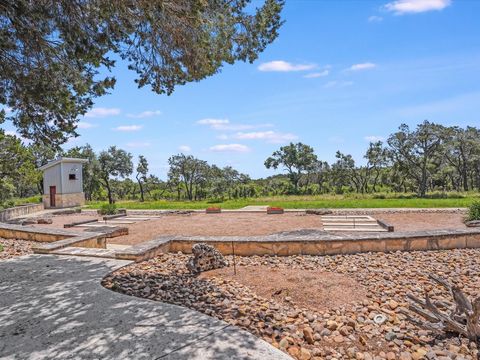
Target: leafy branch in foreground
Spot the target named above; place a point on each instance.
(54, 54)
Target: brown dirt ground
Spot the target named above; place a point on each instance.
(249, 224)
(307, 288)
(225, 224)
(423, 221)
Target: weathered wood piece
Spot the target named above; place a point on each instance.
(461, 317)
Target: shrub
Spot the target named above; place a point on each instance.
(108, 209)
(1, 247)
(474, 211)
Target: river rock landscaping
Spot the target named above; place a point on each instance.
(318, 307)
(14, 247)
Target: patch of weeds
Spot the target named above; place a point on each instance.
(474, 211)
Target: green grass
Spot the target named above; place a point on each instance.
(302, 202)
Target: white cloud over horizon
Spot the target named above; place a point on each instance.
(102, 112)
(269, 136)
(85, 125)
(317, 74)
(239, 148)
(128, 128)
(362, 66)
(401, 7)
(375, 19)
(337, 84)
(145, 114)
(184, 148)
(225, 125)
(284, 66)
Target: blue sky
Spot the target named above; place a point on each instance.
(340, 74)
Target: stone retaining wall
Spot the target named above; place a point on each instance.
(51, 239)
(19, 211)
(286, 246)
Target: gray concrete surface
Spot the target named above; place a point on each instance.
(54, 307)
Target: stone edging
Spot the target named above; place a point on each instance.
(282, 244)
(19, 211)
(339, 211)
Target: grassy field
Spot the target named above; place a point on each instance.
(303, 202)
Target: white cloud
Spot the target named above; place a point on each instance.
(214, 123)
(337, 84)
(145, 114)
(225, 125)
(362, 66)
(230, 148)
(284, 66)
(11, 133)
(102, 112)
(129, 127)
(184, 148)
(317, 74)
(373, 138)
(400, 7)
(222, 137)
(86, 125)
(269, 136)
(375, 19)
(139, 144)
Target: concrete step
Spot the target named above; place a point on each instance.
(77, 251)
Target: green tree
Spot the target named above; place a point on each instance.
(90, 172)
(462, 148)
(54, 53)
(189, 172)
(296, 159)
(16, 165)
(115, 163)
(142, 171)
(416, 151)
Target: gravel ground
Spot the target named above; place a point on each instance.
(14, 247)
(312, 328)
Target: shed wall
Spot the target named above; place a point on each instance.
(52, 177)
(71, 186)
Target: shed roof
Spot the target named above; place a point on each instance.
(62, 160)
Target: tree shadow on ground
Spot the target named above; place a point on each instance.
(54, 307)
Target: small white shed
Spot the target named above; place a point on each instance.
(63, 183)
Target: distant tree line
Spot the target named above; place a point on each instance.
(430, 157)
(422, 160)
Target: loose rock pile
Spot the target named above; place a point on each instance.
(14, 247)
(351, 331)
(205, 257)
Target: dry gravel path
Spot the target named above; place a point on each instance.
(345, 331)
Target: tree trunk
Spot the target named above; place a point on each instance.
(109, 191)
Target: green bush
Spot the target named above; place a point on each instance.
(1, 247)
(474, 211)
(108, 209)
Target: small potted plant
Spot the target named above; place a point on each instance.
(275, 210)
(213, 210)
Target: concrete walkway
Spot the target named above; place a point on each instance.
(54, 307)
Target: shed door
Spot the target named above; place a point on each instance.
(53, 191)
